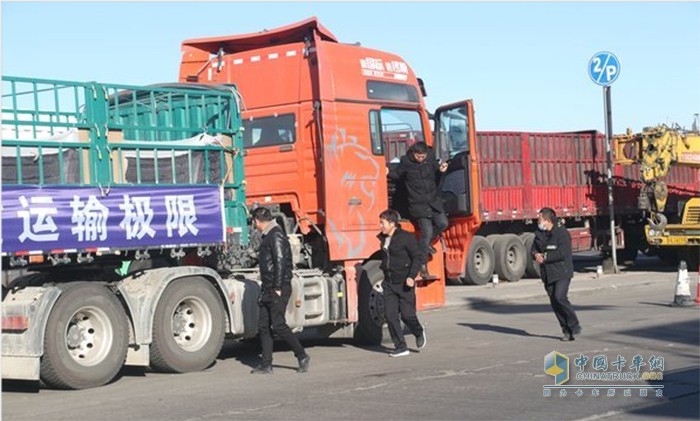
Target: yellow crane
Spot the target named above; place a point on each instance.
(656, 150)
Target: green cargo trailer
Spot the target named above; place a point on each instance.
(121, 207)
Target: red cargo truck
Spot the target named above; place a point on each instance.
(323, 119)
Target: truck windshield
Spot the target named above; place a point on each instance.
(453, 131)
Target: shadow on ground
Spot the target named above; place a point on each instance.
(587, 263)
(504, 329)
(687, 332)
(682, 398)
(500, 307)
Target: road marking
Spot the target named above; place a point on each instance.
(601, 416)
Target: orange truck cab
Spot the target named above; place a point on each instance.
(322, 122)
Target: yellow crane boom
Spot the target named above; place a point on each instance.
(656, 150)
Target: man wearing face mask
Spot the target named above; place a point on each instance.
(552, 250)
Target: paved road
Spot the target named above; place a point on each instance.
(484, 361)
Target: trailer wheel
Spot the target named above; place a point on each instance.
(691, 255)
(634, 237)
(532, 268)
(188, 327)
(480, 262)
(370, 302)
(86, 338)
(511, 257)
(669, 255)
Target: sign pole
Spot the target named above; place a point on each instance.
(608, 150)
(604, 68)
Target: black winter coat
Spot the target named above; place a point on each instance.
(275, 261)
(556, 246)
(402, 260)
(420, 181)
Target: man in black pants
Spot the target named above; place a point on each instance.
(275, 261)
(400, 263)
(552, 250)
(418, 170)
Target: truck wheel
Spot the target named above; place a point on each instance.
(86, 338)
(492, 239)
(532, 268)
(634, 237)
(691, 255)
(370, 302)
(669, 255)
(188, 327)
(511, 257)
(456, 281)
(480, 262)
(627, 255)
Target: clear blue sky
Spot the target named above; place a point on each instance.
(524, 64)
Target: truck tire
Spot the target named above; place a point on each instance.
(456, 281)
(480, 262)
(634, 237)
(532, 268)
(188, 327)
(691, 255)
(627, 255)
(669, 255)
(492, 239)
(511, 257)
(370, 301)
(86, 338)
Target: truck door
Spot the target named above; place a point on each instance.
(455, 142)
(354, 180)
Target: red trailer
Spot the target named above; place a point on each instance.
(492, 220)
(522, 172)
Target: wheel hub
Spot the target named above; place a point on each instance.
(511, 257)
(89, 335)
(478, 260)
(376, 305)
(191, 324)
(74, 336)
(179, 323)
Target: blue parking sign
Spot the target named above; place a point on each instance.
(604, 68)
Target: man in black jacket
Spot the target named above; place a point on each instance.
(275, 261)
(552, 250)
(418, 170)
(400, 263)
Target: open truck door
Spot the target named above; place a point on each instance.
(455, 140)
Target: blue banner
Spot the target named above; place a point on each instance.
(66, 218)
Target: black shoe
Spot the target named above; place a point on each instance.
(421, 340)
(262, 369)
(399, 353)
(304, 364)
(566, 337)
